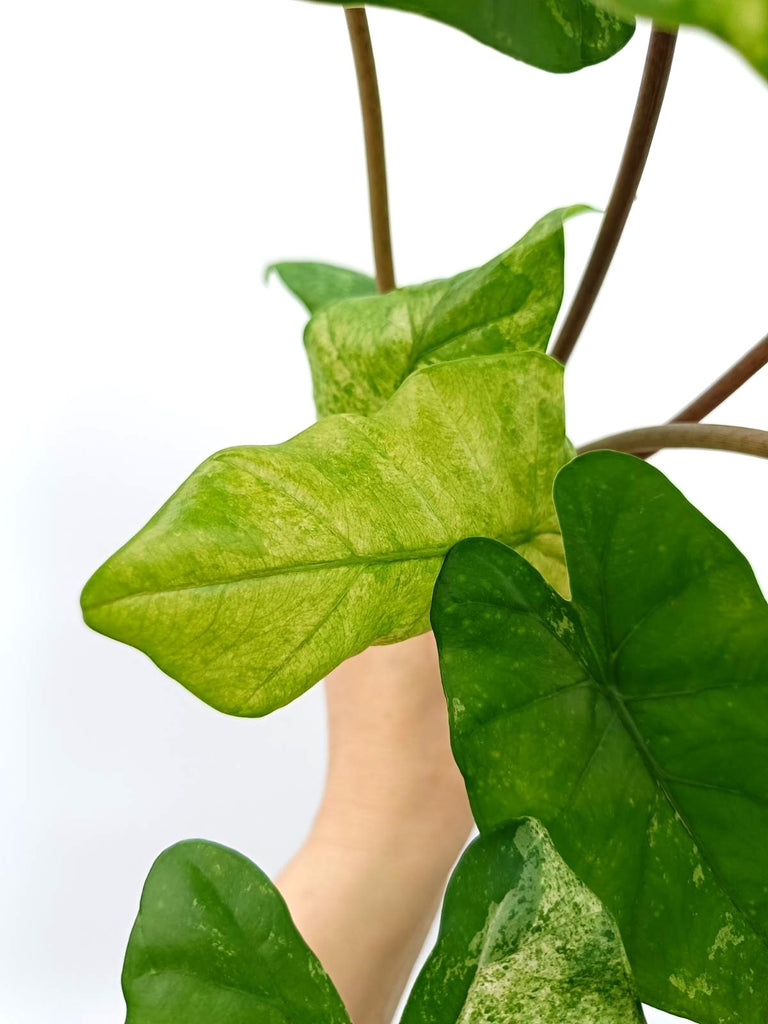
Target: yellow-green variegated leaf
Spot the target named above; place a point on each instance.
(361, 350)
(271, 565)
(317, 285)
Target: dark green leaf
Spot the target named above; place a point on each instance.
(214, 944)
(362, 350)
(742, 23)
(633, 721)
(270, 566)
(318, 285)
(556, 35)
(522, 941)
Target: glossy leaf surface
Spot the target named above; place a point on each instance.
(522, 941)
(361, 351)
(633, 721)
(214, 942)
(317, 285)
(556, 35)
(742, 23)
(271, 565)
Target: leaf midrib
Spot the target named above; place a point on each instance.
(326, 565)
(608, 688)
(615, 697)
(658, 776)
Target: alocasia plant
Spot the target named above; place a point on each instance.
(523, 941)
(271, 565)
(633, 720)
(622, 702)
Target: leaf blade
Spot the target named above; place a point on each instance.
(522, 939)
(270, 566)
(610, 724)
(555, 35)
(361, 351)
(213, 940)
(317, 285)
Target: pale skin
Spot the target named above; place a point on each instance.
(394, 817)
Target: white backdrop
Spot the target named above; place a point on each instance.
(156, 154)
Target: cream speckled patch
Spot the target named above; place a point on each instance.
(550, 951)
(523, 941)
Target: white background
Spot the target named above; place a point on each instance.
(156, 154)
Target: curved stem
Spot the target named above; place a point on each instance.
(723, 387)
(653, 88)
(370, 102)
(647, 440)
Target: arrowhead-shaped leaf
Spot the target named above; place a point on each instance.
(556, 35)
(362, 350)
(633, 721)
(317, 285)
(742, 23)
(522, 941)
(214, 943)
(270, 566)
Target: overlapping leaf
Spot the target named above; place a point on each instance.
(633, 721)
(271, 565)
(742, 23)
(214, 944)
(361, 351)
(556, 35)
(522, 941)
(318, 285)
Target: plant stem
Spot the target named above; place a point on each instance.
(370, 102)
(653, 87)
(712, 436)
(725, 386)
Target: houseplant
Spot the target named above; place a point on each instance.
(388, 463)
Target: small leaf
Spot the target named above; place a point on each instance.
(556, 35)
(633, 721)
(742, 23)
(271, 565)
(361, 351)
(214, 943)
(318, 285)
(522, 941)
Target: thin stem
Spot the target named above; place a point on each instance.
(725, 386)
(653, 87)
(712, 436)
(370, 102)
